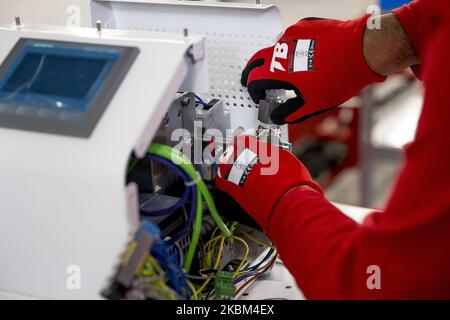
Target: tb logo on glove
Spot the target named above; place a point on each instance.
(280, 52)
(322, 61)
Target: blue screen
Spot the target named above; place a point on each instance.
(48, 75)
(58, 81)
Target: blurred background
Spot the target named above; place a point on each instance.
(63, 11)
(354, 152)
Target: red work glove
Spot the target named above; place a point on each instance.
(257, 175)
(321, 60)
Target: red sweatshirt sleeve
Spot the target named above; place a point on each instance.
(419, 20)
(331, 256)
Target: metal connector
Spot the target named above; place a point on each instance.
(268, 131)
(98, 24)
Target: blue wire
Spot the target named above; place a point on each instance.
(201, 101)
(185, 230)
(252, 269)
(185, 196)
(243, 277)
(189, 191)
(256, 266)
(176, 277)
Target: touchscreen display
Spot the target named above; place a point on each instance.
(60, 81)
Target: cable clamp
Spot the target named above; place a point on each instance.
(193, 182)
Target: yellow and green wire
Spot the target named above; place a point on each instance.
(202, 193)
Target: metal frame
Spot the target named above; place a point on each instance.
(368, 153)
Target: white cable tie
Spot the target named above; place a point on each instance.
(193, 182)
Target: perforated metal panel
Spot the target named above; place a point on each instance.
(228, 54)
(233, 33)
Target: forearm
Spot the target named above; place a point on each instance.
(389, 49)
(332, 257)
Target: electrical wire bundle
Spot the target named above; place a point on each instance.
(256, 272)
(214, 247)
(152, 283)
(197, 192)
(189, 193)
(200, 192)
(213, 250)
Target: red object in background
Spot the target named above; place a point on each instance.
(339, 125)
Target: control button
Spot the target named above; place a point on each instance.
(70, 116)
(24, 110)
(3, 107)
(48, 113)
(9, 108)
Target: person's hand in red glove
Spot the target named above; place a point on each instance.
(257, 175)
(322, 61)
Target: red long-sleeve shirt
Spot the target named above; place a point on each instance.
(329, 254)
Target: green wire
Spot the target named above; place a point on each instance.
(195, 233)
(202, 192)
(180, 159)
(131, 164)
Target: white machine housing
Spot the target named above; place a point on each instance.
(65, 205)
(233, 33)
(65, 208)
